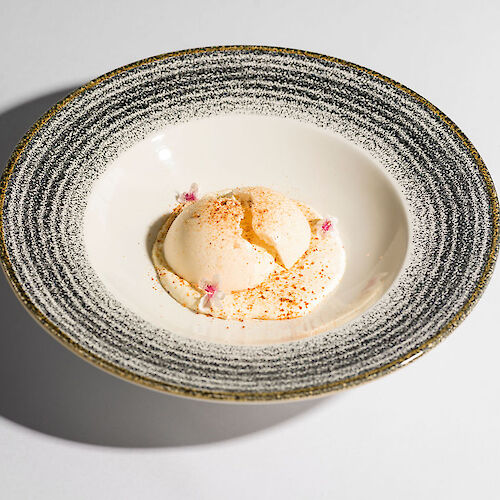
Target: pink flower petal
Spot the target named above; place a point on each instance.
(212, 295)
(204, 305)
(191, 195)
(326, 226)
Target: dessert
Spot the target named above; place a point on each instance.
(248, 253)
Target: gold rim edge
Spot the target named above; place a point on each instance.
(249, 396)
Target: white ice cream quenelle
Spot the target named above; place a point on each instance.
(248, 253)
(278, 222)
(235, 237)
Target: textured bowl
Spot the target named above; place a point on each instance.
(449, 199)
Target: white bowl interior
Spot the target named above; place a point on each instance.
(130, 201)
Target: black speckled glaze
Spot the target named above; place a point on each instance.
(452, 204)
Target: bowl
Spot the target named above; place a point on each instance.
(87, 189)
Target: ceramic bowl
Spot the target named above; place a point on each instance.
(89, 186)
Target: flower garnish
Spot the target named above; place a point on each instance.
(326, 226)
(213, 295)
(191, 195)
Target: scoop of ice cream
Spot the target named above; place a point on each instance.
(238, 237)
(205, 240)
(277, 222)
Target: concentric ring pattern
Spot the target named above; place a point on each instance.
(451, 199)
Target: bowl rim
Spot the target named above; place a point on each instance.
(292, 394)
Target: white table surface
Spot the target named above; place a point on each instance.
(428, 431)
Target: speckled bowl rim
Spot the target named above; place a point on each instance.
(62, 337)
